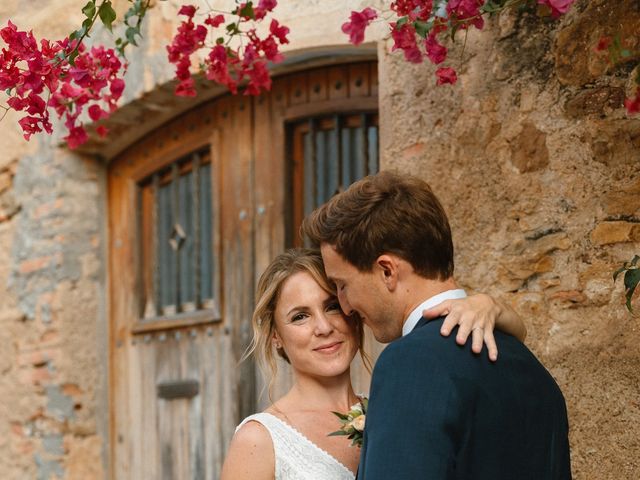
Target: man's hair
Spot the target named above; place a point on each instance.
(386, 213)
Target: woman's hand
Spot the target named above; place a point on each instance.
(478, 315)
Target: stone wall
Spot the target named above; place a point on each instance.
(50, 328)
(539, 169)
(531, 153)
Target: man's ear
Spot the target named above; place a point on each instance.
(389, 269)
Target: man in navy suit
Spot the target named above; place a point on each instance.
(434, 413)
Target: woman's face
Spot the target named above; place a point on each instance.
(318, 339)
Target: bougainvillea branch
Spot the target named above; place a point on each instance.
(418, 27)
(228, 48)
(224, 64)
(63, 75)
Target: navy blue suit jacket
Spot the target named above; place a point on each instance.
(437, 411)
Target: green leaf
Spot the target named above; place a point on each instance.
(631, 278)
(619, 271)
(338, 433)
(341, 416)
(86, 25)
(131, 33)
(89, 9)
(107, 15)
(247, 11)
(401, 21)
(219, 40)
(73, 56)
(422, 28)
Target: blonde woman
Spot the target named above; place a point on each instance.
(298, 317)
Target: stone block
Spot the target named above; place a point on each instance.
(595, 101)
(608, 233)
(624, 201)
(529, 151)
(568, 297)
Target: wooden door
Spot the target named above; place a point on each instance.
(197, 210)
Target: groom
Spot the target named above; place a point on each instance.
(434, 413)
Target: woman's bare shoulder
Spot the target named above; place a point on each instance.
(250, 455)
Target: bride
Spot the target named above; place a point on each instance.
(298, 316)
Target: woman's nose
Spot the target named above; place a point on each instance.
(323, 325)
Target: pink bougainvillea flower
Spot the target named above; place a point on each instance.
(414, 9)
(446, 75)
(603, 44)
(270, 49)
(117, 87)
(404, 38)
(357, 24)
(186, 88)
(102, 130)
(633, 104)
(259, 78)
(218, 68)
(267, 5)
(77, 136)
(264, 7)
(33, 73)
(436, 52)
(97, 113)
(558, 7)
(280, 31)
(466, 12)
(214, 22)
(188, 10)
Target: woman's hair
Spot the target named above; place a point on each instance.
(283, 267)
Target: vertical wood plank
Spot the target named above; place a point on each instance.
(359, 82)
(237, 244)
(298, 89)
(318, 86)
(338, 83)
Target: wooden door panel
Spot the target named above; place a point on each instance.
(254, 196)
(152, 437)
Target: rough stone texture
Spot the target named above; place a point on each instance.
(50, 371)
(531, 154)
(539, 170)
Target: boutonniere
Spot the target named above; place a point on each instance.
(353, 422)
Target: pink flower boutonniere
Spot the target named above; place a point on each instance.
(353, 423)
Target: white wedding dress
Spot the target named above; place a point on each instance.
(297, 457)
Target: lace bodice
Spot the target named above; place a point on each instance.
(297, 457)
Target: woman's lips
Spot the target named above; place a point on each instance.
(329, 348)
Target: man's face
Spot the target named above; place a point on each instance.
(364, 293)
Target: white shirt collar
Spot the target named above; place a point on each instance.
(416, 315)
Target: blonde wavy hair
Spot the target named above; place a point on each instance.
(283, 267)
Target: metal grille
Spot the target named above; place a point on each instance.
(181, 231)
(329, 154)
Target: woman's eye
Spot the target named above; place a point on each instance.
(333, 307)
(298, 316)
